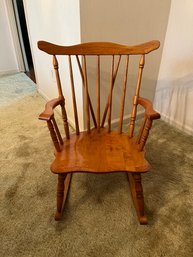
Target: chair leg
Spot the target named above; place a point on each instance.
(62, 191)
(137, 195)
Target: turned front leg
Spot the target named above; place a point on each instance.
(62, 192)
(60, 196)
(53, 136)
(137, 195)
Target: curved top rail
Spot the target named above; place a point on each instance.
(98, 48)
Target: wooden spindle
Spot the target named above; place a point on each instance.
(80, 68)
(65, 120)
(73, 97)
(53, 136)
(110, 95)
(55, 64)
(123, 95)
(141, 131)
(90, 104)
(134, 110)
(107, 104)
(57, 131)
(64, 114)
(86, 93)
(98, 93)
(145, 134)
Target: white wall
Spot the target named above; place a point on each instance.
(65, 22)
(8, 62)
(126, 22)
(57, 22)
(174, 93)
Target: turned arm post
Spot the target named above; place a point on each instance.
(54, 135)
(65, 119)
(48, 116)
(149, 116)
(143, 135)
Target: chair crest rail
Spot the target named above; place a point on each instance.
(98, 48)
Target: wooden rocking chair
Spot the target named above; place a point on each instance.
(112, 151)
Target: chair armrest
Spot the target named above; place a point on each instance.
(150, 113)
(48, 113)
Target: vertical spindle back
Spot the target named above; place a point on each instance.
(96, 50)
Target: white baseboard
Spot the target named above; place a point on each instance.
(126, 118)
(177, 124)
(8, 72)
(43, 95)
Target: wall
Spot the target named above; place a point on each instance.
(8, 62)
(57, 22)
(65, 22)
(129, 22)
(174, 93)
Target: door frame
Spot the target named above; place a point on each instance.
(15, 36)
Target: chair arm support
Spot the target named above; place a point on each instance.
(149, 116)
(150, 113)
(48, 113)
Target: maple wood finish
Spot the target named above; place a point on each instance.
(99, 149)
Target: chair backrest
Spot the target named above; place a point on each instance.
(99, 49)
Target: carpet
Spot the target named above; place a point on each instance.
(14, 87)
(99, 218)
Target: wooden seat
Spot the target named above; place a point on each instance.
(116, 153)
(99, 149)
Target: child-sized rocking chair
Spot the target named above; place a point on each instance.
(112, 151)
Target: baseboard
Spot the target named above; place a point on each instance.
(177, 124)
(8, 72)
(126, 119)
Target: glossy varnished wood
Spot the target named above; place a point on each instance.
(98, 92)
(123, 95)
(136, 96)
(99, 150)
(83, 82)
(108, 100)
(73, 96)
(99, 153)
(137, 196)
(55, 64)
(86, 94)
(98, 48)
(53, 136)
(62, 192)
(111, 94)
(65, 119)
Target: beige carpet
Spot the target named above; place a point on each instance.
(99, 218)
